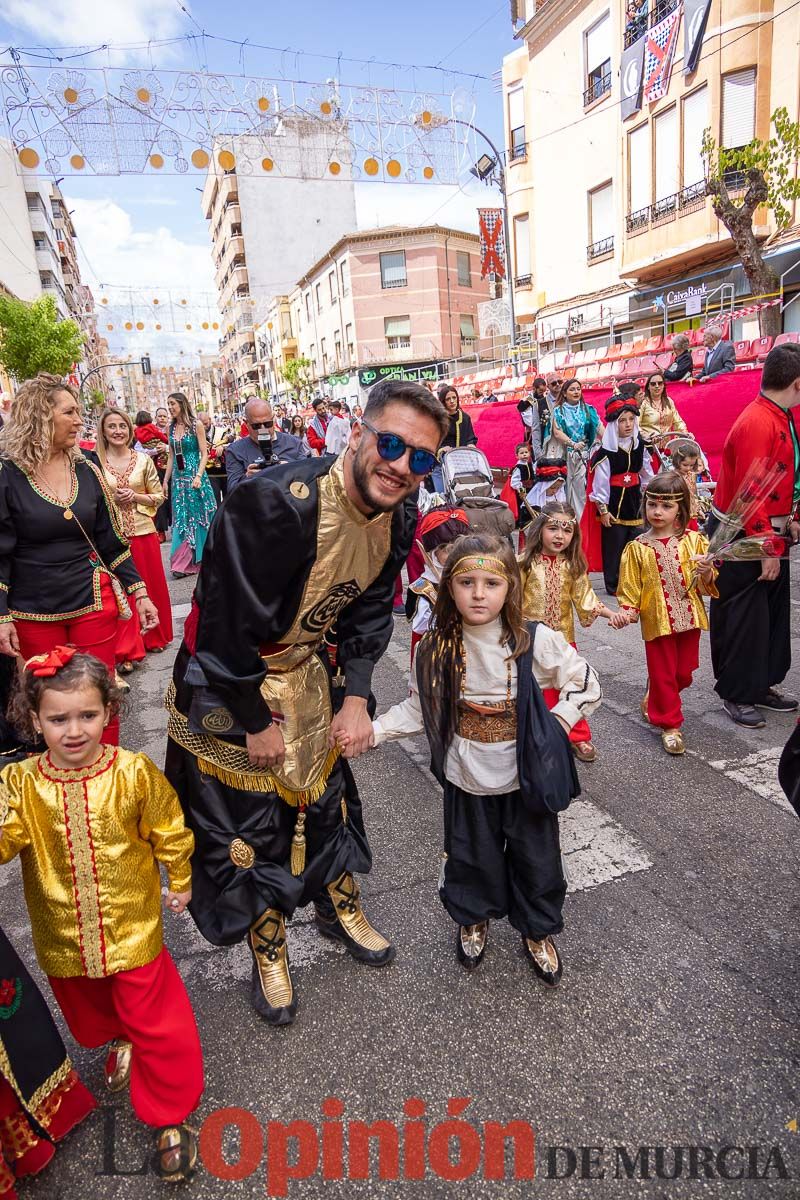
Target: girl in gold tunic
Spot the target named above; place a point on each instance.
(556, 586)
(91, 825)
(663, 578)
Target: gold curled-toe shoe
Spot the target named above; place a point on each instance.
(545, 959)
(118, 1065)
(340, 916)
(273, 995)
(471, 944)
(175, 1158)
(672, 741)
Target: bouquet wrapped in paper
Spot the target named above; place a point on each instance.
(747, 549)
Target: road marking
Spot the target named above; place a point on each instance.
(219, 965)
(595, 848)
(180, 611)
(758, 772)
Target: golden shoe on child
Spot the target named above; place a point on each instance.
(584, 751)
(672, 741)
(118, 1065)
(175, 1158)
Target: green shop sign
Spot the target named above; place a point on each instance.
(367, 376)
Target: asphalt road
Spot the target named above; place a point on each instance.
(675, 1024)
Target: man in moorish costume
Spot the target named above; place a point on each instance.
(252, 751)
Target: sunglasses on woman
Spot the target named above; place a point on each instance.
(391, 447)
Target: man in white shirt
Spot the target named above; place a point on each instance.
(337, 435)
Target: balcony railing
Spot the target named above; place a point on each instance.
(600, 249)
(518, 153)
(661, 9)
(523, 281)
(634, 30)
(689, 199)
(394, 283)
(664, 210)
(598, 86)
(635, 222)
(692, 197)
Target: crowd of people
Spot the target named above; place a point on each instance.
(257, 811)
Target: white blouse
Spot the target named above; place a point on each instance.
(490, 768)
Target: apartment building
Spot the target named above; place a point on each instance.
(612, 232)
(384, 300)
(266, 229)
(276, 345)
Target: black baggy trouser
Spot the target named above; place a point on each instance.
(750, 629)
(502, 861)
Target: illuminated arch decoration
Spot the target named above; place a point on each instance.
(121, 121)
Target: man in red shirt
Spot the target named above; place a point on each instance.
(750, 646)
(318, 425)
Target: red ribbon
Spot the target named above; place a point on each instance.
(45, 665)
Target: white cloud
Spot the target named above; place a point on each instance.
(89, 22)
(153, 264)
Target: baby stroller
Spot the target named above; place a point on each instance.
(468, 484)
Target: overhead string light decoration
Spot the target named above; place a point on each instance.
(74, 120)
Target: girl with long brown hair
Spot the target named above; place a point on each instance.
(556, 586)
(474, 690)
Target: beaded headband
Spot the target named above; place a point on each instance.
(676, 496)
(480, 562)
(561, 521)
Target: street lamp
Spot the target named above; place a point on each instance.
(489, 170)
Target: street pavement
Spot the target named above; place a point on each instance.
(675, 1024)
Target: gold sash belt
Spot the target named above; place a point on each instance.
(488, 722)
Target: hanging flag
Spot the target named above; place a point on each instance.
(695, 19)
(631, 77)
(658, 56)
(493, 252)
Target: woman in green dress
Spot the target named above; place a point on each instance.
(193, 502)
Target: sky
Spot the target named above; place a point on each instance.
(149, 233)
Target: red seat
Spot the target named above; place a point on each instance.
(631, 367)
(640, 347)
(698, 358)
(626, 350)
(663, 361)
(568, 373)
(695, 337)
(579, 358)
(648, 364)
(654, 345)
(614, 352)
(783, 338)
(592, 374)
(761, 347)
(744, 352)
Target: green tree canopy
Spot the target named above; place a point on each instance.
(762, 174)
(297, 373)
(33, 339)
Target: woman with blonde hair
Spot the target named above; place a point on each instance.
(133, 480)
(193, 500)
(66, 570)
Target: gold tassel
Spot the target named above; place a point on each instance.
(297, 859)
(264, 781)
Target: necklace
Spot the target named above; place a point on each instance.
(463, 650)
(51, 494)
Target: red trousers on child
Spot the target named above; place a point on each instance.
(579, 732)
(94, 633)
(671, 662)
(149, 1007)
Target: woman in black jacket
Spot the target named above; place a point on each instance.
(459, 433)
(682, 366)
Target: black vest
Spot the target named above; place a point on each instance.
(625, 501)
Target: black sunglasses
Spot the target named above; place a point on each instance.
(391, 447)
(262, 424)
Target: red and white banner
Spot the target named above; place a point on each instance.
(658, 55)
(493, 252)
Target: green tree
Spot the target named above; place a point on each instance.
(297, 373)
(760, 175)
(33, 339)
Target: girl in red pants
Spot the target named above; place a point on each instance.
(91, 824)
(663, 579)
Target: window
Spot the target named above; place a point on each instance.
(597, 55)
(344, 275)
(393, 269)
(324, 352)
(601, 221)
(738, 108)
(695, 121)
(464, 274)
(337, 346)
(332, 285)
(39, 242)
(522, 251)
(639, 169)
(348, 333)
(308, 306)
(318, 295)
(397, 331)
(666, 151)
(466, 327)
(516, 123)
